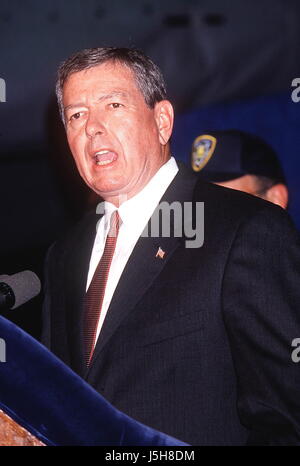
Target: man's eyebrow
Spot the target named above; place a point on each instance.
(79, 104)
(103, 97)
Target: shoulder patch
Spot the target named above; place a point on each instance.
(202, 150)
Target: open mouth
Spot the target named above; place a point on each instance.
(105, 157)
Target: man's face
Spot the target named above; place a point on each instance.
(117, 141)
(246, 183)
(278, 193)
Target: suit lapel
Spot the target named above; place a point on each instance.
(134, 283)
(143, 266)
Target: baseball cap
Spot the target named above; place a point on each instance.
(228, 154)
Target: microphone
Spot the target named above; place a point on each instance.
(17, 289)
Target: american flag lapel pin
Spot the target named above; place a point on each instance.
(160, 253)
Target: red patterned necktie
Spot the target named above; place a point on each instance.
(95, 293)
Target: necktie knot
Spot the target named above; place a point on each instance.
(114, 224)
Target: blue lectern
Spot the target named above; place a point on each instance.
(50, 401)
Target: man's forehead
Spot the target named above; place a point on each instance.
(110, 70)
(108, 79)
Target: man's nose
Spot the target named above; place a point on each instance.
(94, 125)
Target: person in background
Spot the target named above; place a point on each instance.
(239, 160)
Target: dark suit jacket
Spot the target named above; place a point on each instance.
(197, 344)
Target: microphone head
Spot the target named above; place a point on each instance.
(25, 286)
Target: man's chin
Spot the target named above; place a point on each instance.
(107, 193)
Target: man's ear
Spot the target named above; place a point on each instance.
(278, 194)
(164, 116)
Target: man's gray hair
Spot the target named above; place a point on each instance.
(148, 76)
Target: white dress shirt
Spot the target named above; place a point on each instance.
(134, 215)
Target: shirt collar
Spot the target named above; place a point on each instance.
(138, 209)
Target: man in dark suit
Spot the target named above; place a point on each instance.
(194, 338)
